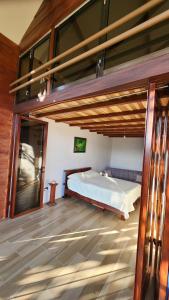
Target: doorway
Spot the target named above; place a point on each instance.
(29, 166)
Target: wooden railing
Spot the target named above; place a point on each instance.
(121, 37)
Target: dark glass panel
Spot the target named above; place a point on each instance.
(160, 33)
(130, 48)
(80, 26)
(40, 56)
(24, 68)
(148, 41)
(29, 166)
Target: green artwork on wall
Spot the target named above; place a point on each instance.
(80, 145)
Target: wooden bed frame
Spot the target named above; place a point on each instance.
(99, 204)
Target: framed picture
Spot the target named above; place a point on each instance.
(80, 145)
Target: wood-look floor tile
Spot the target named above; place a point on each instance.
(68, 252)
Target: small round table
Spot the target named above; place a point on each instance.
(53, 185)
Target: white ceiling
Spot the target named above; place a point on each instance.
(16, 16)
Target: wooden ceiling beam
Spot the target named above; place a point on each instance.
(106, 103)
(120, 132)
(95, 128)
(126, 135)
(113, 122)
(117, 129)
(108, 115)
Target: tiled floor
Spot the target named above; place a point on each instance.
(70, 251)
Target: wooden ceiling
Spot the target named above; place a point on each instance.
(115, 114)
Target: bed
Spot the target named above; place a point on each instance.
(108, 193)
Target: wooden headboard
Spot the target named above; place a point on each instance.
(72, 171)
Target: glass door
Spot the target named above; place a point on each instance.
(29, 166)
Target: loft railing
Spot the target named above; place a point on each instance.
(121, 37)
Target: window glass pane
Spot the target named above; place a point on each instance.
(29, 166)
(159, 35)
(24, 67)
(148, 41)
(40, 56)
(130, 48)
(83, 24)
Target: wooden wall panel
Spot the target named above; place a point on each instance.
(49, 14)
(9, 53)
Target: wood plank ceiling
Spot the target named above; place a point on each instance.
(115, 114)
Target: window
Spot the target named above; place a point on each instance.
(84, 23)
(34, 58)
(88, 20)
(141, 44)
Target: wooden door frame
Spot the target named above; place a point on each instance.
(164, 267)
(153, 84)
(150, 116)
(16, 137)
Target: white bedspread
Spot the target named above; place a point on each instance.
(120, 194)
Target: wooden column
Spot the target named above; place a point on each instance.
(164, 265)
(140, 262)
(9, 53)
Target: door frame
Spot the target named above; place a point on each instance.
(15, 159)
(148, 140)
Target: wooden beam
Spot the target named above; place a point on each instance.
(140, 261)
(107, 123)
(98, 116)
(113, 127)
(120, 132)
(106, 103)
(124, 135)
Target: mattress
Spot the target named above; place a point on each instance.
(117, 193)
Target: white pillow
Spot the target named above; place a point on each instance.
(90, 174)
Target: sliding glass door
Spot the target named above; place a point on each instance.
(29, 166)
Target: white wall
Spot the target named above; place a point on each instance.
(60, 154)
(127, 153)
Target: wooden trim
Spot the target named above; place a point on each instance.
(106, 123)
(108, 115)
(122, 133)
(12, 153)
(146, 7)
(109, 127)
(15, 164)
(112, 102)
(164, 266)
(45, 136)
(118, 129)
(125, 135)
(26, 212)
(144, 192)
(113, 129)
